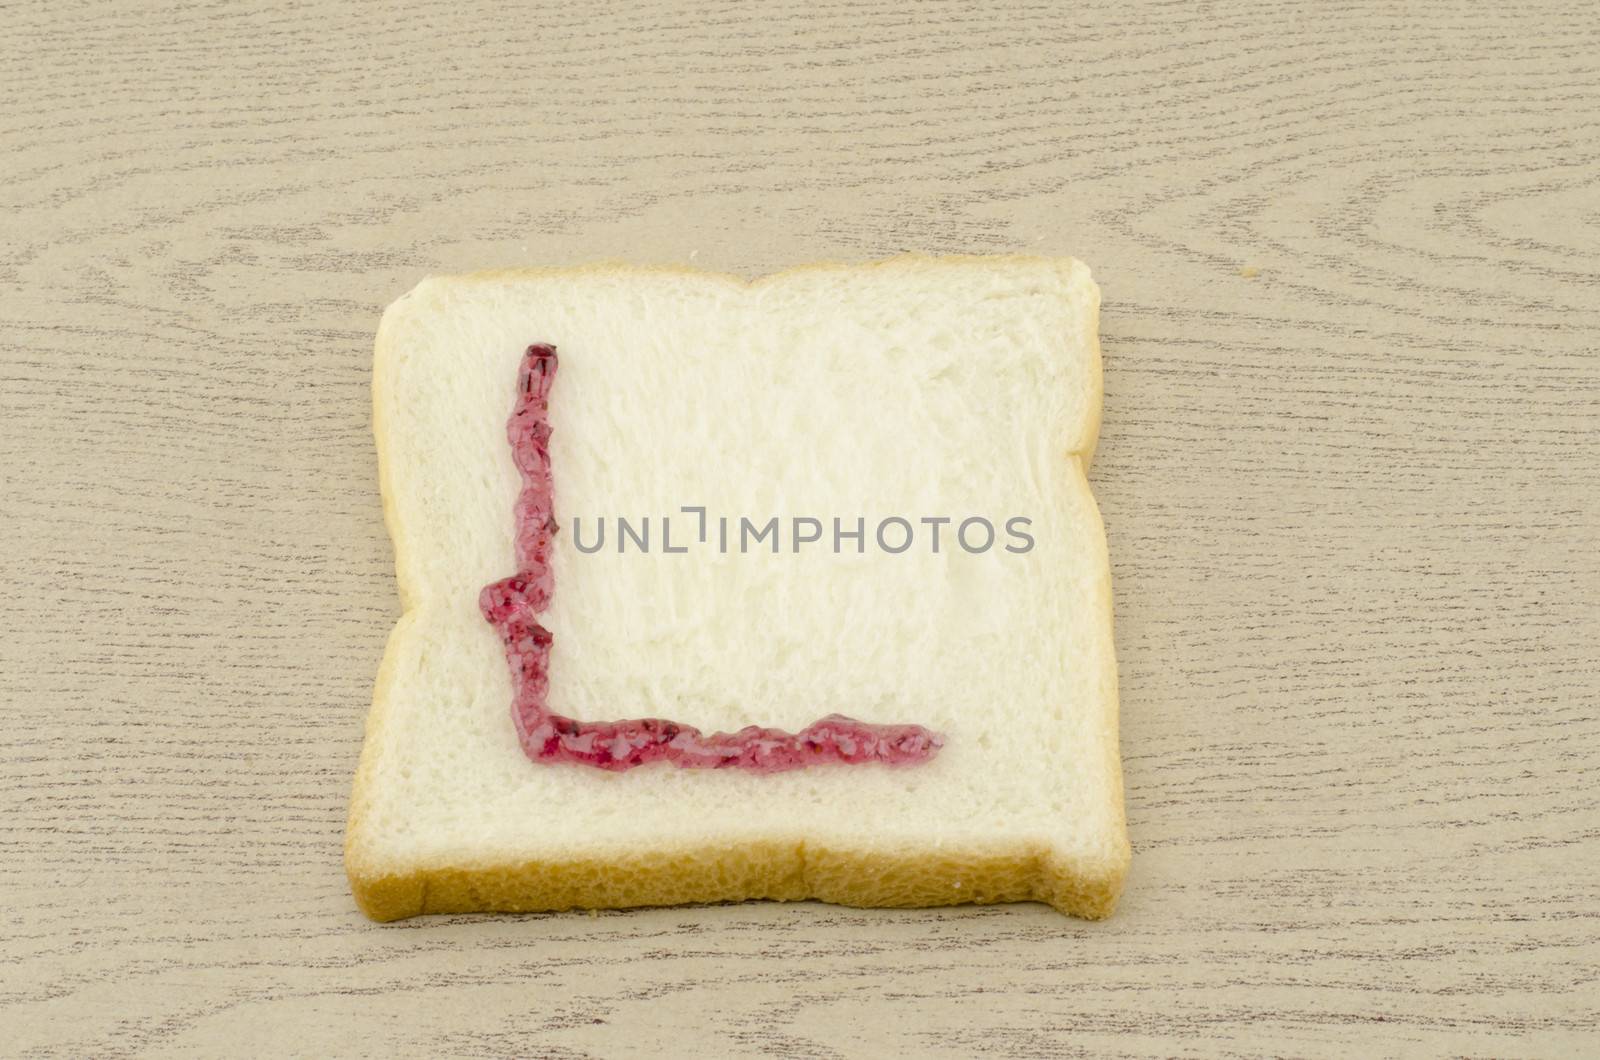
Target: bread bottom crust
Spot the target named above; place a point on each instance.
(772, 870)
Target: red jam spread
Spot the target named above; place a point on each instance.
(511, 605)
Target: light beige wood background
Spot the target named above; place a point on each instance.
(1353, 503)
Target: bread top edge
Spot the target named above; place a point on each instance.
(615, 265)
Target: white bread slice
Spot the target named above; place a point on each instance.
(911, 387)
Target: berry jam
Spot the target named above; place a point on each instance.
(510, 605)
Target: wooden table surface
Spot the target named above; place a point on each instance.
(1350, 470)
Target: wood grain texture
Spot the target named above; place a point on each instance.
(1353, 503)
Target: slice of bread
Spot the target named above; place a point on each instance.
(914, 389)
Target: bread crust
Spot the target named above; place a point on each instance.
(764, 869)
(761, 870)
